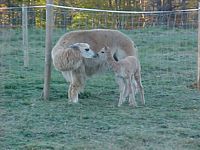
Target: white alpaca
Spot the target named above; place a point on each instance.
(126, 71)
(78, 52)
(75, 67)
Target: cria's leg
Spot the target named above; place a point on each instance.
(132, 101)
(121, 84)
(135, 85)
(127, 89)
(139, 83)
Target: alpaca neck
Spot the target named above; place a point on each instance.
(114, 64)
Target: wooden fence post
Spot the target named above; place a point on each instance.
(48, 47)
(25, 35)
(198, 59)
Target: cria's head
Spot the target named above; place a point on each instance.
(85, 50)
(102, 54)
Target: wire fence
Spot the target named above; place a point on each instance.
(167, 43)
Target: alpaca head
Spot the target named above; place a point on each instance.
(103, 53)
(84, 49)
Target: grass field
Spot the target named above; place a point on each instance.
(169, 121)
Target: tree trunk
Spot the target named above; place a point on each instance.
(110, 3)
(184, 15)
(168, 5)
(116, 4)
(159, 5)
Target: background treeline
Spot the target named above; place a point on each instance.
(112, 4)
(76, 19)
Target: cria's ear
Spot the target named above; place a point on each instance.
(74, 46)
(106, 48)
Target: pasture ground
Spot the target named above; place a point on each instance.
(169, 121)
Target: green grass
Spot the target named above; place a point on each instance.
(169, 121)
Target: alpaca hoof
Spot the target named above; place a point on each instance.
(143, 103)
(119, 104)
(133, 105)
(73, 100)
(123, 100)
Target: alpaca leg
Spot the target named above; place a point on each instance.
(121, 84)
(73, 87)
(77, 85)
(72, 95)
(127, 89)
(124, 91)
(139, 83)
(132, 101)
(135, 85)
(67, 75)
(77, 81)
(74, 90)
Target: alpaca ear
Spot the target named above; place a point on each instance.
(105, 47)
(74, 46)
